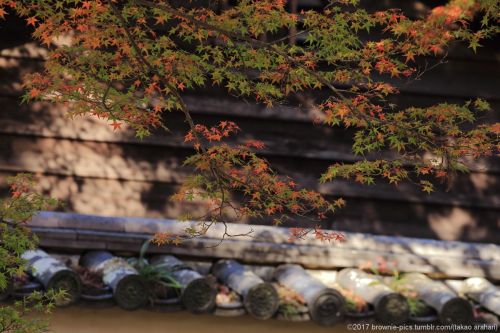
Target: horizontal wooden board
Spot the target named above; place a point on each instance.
(157, 164)
(293, 139)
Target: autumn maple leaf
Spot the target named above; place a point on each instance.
(410, 56)
(436, 49)
(189, 137)
(255, 144)
(150, 89)
(441, 174)
(116, 125)
(31, 21)
(343, 111)
(495, 128)
(86, 4)
(160, 20)
(35, 92)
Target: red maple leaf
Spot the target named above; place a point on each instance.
(441, 174)
(86, 4)
(34, 92)
(32, 20)
(116, 125)
(436, 49)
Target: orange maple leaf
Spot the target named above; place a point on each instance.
(410, 56)
(495, 128)
(436, 49)
(295, 208)
(360, 178)
(32, 20)
(441, 174)
(86, 4)
(343, 111)
(150, 89)
(81, 27)
(160, 20)
(162, 238)
(34, 92)
(256, 144)
(424, 170)
(340, 202)
(189, 137)
(2, 13)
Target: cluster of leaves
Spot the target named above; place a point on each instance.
(15, 239)
(317, 232)
(398, 283)
(223, 169)
(159, 280)
(429, 141)
(418, 308)
(19, 317)
(129, 61)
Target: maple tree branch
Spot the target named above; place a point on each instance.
(294, 35)
(270, 46)
(184, 108)
(151, 69)
(219, 175)
(104, 97)
(252, 41)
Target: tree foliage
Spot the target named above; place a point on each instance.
(15, 239)
(130, 61)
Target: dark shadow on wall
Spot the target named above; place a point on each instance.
(14, 32)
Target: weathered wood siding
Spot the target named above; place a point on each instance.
(97, 171)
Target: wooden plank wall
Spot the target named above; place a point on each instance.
(97, 171)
